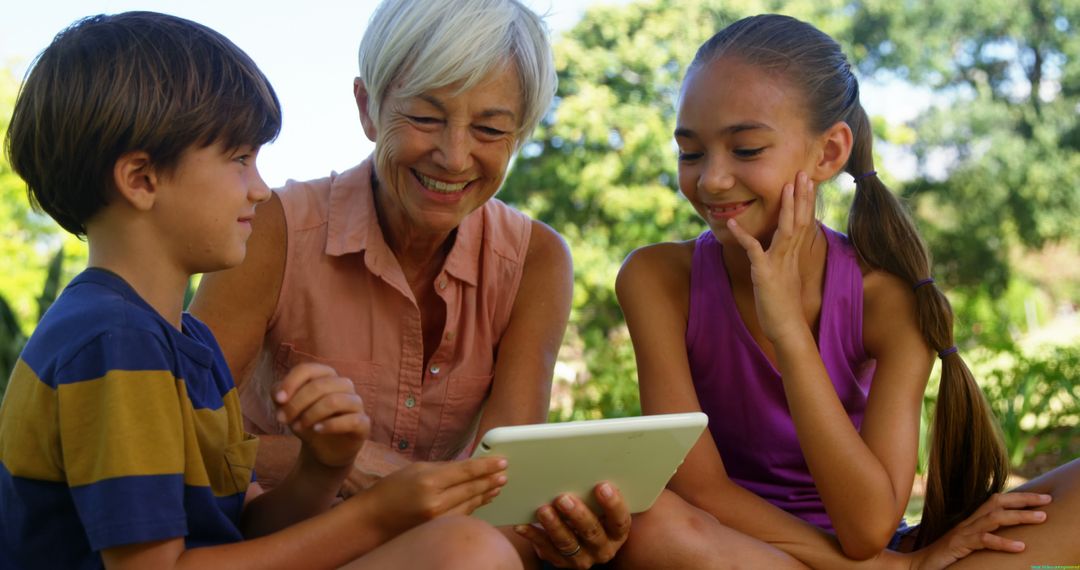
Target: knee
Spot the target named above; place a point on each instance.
(465, 542)
(671, 525)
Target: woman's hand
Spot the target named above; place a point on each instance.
(977, 531)
(775, 273)
(570, 535)
(424, 491)
(324, 411)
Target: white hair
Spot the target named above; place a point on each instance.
(423, 45)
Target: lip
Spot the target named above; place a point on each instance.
(727, 210)
(448, 197)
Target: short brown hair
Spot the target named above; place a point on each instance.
(111, 84)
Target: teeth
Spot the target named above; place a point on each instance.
(440, 186)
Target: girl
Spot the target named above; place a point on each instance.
(809, 350)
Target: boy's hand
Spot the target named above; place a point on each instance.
(324, 411)
(424, 491)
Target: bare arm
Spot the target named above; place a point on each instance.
(653, 289)
(864, 479)
(521, 390)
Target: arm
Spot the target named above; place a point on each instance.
(521, 389)
(653, 289)
(864, 478)
(237, 304)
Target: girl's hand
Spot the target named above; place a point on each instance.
(570, 535)
(424, 491)
(324, 411)
(775, 273)
(977, 531)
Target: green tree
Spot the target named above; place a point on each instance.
(996, 176)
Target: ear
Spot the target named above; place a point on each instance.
(135, 179)
(361, 94)
(834, 148)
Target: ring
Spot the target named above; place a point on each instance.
(572, 552)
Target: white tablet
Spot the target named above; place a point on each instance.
(638, 455)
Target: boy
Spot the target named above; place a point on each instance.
(121, 443)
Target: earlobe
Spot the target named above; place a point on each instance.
(360, 93)
(135, 179)
(835, 149)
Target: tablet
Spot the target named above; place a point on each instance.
(638, 455)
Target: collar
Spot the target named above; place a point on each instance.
(353, 227)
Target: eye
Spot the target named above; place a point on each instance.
(243, 159)
(490, 131)
(423, 120)
(747, 152)
(689, 156)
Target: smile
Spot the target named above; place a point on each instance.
(728, 210)
(440, 186)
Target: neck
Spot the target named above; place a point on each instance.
(143, 265)
(418, 252)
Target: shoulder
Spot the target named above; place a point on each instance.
(668, 262)
(545, 244)
(889, 310)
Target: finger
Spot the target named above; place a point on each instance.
(747, 241)
(582, 522)
(995, 542)
(998, 519)
(787, 211)
(298, 376)
(328, 406)
(560, 535)
(541, 545)
(357, 425)
(1009, 501)
(804, 201)
(458, 472)
(616, 512)
(311, 392)
(466, 497)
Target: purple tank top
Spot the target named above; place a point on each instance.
(741, 391)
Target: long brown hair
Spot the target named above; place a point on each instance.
(967, 460)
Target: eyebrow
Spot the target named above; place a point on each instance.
(730, 129)
(486, 113)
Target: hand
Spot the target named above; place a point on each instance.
(775, 273)
(324, 411)
(977, 531)
(570, 535)
(424, 491)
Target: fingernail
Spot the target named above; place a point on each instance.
(1047, 498)
(500, 480)
(520, 529)
(281, 396)
(605, 491)
(1040, 516)
(546, 513)
(566, 503)
(317, 427)
(502, 463)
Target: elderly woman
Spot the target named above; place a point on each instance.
(445, 306)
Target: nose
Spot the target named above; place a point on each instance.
(258, 191)
(715, 176)
(454, 150)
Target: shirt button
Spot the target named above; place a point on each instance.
(442, 283)
(403, 444)
(434, 369)
(410, 402)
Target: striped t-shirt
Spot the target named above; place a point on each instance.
(117, 429)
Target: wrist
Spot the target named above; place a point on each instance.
(319, 473)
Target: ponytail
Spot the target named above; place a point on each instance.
(967, 459)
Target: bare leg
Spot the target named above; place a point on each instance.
(1052, 543)
(447, 542)
(675, 534)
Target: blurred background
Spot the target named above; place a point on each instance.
(975, 106)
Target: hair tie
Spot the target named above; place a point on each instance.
(948, 351)
(922, 282)
(865, 175)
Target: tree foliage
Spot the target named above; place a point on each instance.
(996, 163)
